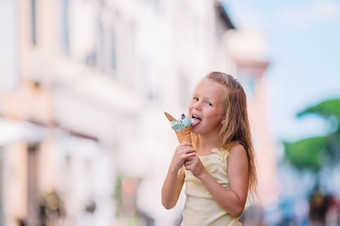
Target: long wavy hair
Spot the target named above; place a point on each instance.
(237, 127)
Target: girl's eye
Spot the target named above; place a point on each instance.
(195, 99)
(209, 103)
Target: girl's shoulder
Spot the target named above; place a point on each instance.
(234, 146)
(229, 149)
(236, 149)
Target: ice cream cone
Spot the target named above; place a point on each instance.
(184, 135)
(169, 117)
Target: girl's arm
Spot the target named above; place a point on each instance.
(233, 200)
(172, 187)
(174, 180)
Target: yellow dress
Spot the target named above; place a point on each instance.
(200, 208)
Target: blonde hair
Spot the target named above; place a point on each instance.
(237, 127)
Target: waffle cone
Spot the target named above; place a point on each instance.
(184, 135)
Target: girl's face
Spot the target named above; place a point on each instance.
(206, 108)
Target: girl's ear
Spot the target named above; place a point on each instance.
(223, 120)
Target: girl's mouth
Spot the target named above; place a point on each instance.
(196, 120)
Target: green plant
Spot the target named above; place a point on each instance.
(316, 152)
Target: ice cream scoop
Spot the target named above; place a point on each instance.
(181, 123)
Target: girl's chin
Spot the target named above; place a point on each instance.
(195, 129)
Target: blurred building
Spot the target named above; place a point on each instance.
(83, 136)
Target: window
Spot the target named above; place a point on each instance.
(113, 50)
(32, 181)
(34, 22)
(106, 47)
(9, 47)
(100, 47)
(65, 23)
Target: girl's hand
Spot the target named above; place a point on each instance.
(195, 165)
(182, 153)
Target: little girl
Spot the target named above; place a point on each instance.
(218, 167)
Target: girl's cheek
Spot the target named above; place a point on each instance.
(190, 106)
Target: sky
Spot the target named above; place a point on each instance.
(303, 45)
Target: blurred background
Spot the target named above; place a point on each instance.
(84, 83)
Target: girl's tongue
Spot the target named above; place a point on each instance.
(195, 121)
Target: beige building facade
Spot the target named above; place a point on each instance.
(86, 140)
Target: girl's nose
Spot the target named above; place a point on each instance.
(197, 105)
